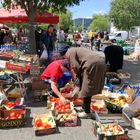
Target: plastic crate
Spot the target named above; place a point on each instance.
(113, 108)
(8, 47)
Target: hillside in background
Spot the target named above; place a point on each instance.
(81, 21)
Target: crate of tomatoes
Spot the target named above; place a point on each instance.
(98, 106)
(44, 124)
(12, 118)
(60, 108)
(51, 100)
(9, 105)
(77, 101)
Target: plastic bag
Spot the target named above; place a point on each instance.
(2, 96)
(44, 55)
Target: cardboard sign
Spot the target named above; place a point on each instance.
(34, 69)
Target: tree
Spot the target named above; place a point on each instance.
(33, 6)
(125, 13)
(65, 20)
(99, 23)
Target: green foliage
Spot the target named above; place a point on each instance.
(12, 25)
(43, 26)
(42, 5)
(65, 20)
(99, 23)
(125, 13)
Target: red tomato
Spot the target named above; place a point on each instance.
(96, 108)
(19, 116)
(63, 107)
(38, 123)
(47, 126)
(60, 106)
(59, 109)
(64, 90)
(1, 118)
(56, 108)
(52, 100)
(93, 107)
(67, 90)
(57, 99)
(12, 115)
(67, 106)
(101, 109)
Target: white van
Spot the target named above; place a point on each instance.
(119, 35)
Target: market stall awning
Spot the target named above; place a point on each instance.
(19, 15)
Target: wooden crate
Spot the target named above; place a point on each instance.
(45, 131)
(11, 123)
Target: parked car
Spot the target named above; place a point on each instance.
(119, 35)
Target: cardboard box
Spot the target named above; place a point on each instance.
(136, 123)
(10, 123)
(101, 136)
(15, 93)
(45, 131)
(65, 120)
(53, 105)
(100, 97)
(38, 84)
(99, 106)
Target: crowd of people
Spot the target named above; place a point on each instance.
(7, 36)
(77, 62)
(84, 64)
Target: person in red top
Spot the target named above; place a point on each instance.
(57, 75)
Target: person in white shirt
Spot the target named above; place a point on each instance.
(60, 36)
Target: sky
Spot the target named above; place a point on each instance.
(88, 8)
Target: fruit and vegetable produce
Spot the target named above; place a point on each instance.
(98, 106)
(67, 90)
(67, 117)
(121, 101)
(44, 122)
(110, 129)
(62, 108)
(13, 115)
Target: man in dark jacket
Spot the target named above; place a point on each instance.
(48, 40)
(114, 55)
(90, 68)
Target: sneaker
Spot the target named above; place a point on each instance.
(84, 115)
(79, 109)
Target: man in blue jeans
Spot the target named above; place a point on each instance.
(57, 75)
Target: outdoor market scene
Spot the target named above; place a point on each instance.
(70, 70)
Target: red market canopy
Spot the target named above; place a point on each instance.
(19, 15)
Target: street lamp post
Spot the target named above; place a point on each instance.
(83, 24)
